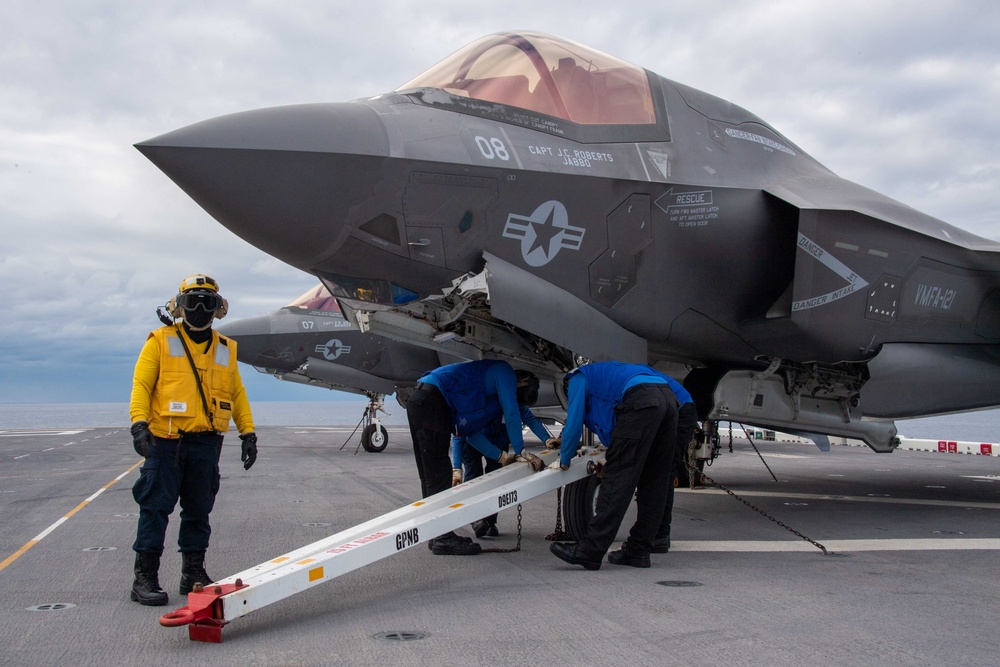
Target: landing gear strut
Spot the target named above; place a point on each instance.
(703, 449)
(374, 437)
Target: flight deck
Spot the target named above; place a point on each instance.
(913, 539)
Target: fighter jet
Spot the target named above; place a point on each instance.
(533, 199)
(309, 341)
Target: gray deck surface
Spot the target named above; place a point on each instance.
(914, 581)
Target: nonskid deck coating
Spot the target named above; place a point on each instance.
(915, 538)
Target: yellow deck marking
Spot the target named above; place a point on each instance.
(38, 538)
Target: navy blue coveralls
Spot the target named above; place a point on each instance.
(633, 412)
(186, 468)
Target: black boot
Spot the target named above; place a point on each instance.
(571, 554)
(451, 544)
(193, 571)
(661, 544)
(146, 587)
(629, 555)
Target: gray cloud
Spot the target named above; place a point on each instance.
(900, 99)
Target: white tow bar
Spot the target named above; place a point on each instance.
(212, 607)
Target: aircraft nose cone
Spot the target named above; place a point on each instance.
(252, 336)
(282, 178)
(241, 329)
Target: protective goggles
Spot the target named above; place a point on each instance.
(207, 301)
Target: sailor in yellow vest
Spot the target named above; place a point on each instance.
(185, 390)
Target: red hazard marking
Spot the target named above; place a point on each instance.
(948, 446)
(986, 449)
(357, 543)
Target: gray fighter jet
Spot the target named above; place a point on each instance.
(309, 341)
(532, 199)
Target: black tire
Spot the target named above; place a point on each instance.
(579, 501)
(374, 438)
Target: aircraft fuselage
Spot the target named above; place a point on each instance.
(705, 235)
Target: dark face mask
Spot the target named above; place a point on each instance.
(198, 318)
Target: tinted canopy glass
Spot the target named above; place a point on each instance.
(317, 298)
(546, 74)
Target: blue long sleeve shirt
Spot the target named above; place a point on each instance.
(492, 441)
(577, 399)
(498, 386)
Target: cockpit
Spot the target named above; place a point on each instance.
(548, 75)
(317, 299)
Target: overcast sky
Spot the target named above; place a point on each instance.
(902, 97)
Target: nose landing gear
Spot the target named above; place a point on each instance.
(374, 437)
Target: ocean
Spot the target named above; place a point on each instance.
(265, 413)
(982, 426)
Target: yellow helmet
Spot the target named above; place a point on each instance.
(198, 281)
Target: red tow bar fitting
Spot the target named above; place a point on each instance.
(203, 613)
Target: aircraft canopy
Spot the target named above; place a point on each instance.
(317, 298)
(546, 74)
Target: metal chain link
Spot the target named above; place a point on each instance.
(754, 445)
(558, 535)
(516, 547)
(763, 513)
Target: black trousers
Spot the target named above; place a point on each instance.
(687, 421)
(430, 428)
(638, 461)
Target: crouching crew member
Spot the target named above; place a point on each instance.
(185, 389)
(465, 399)
(634, 413)
(467, 461)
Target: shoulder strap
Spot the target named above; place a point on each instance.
(194, 369)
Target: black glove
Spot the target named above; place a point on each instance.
(249, 447)
(142, 439)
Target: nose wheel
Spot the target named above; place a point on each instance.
(374, 437)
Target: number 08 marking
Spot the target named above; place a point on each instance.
(492, 148)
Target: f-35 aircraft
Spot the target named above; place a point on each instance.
(309, 341)
(533, 199)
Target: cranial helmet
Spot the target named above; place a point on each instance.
(198, 281)
(198, 302)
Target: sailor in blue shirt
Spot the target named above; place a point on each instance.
(465, 456)
(633, 412)
(465, 399)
